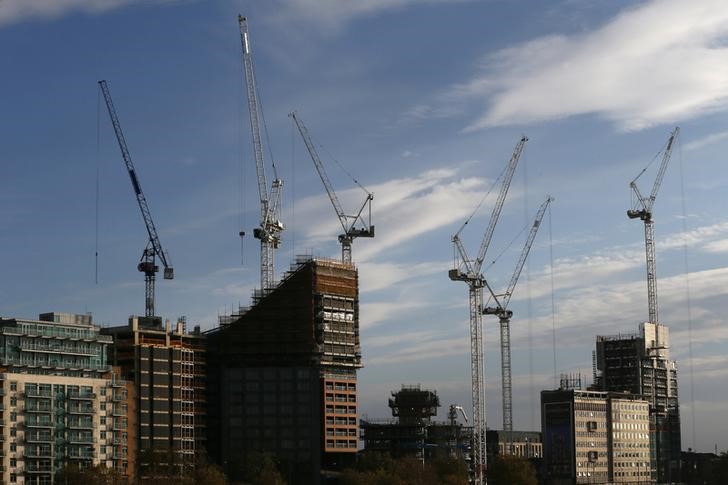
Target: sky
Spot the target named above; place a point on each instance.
(422, 102)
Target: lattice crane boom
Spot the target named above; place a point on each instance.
(504, 315)
(642, 209)
(270, 228)
(147, 264)
(348, 222)
(495, 214)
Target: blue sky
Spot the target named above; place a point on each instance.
(423, 101)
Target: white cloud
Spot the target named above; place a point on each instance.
(379, 276)
(706, 140)
(332, 14)
(12, 11)
(403, 209)
(720, 246)
(660, 62)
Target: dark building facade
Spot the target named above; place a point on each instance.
(412, 431)
(167, 368)
(634, 363)
(283, 375)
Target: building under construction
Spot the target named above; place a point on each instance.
(640, 364)
(413, 432)
(283, 375)
(168, 368)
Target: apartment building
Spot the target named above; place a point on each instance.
(61, 402)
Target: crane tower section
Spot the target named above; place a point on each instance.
(270, 228)
(642, 209)
(504, 315)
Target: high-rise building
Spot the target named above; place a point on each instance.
(283, 375)
(595, 437)
(61, 403)
(167, 366)
(634, 363)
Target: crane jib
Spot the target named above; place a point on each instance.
(135, 182)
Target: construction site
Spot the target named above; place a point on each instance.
(279, 377)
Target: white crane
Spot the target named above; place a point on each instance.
(270, 228)
(469, 271)
(504, 315)
(642, 209)
(348, 222)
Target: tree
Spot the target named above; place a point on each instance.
(92, 475)
(720, 469)
(375, 468)
(511, 470)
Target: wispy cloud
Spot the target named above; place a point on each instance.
(404, 209)
(720, 246)
(12, 11)
(333, 14)
(659, 62)
(706, 140)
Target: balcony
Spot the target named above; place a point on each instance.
(85, 396)
(81, 410)
(39, 424)
(81, 440)
(37, 454)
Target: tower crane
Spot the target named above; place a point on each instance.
(348, 222)
(469, 271)
(270, 228)
(504, 315)
(147, 264)
(642, 209)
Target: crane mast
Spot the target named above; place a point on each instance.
(504, 315)
(270, 228)
(147, 264)
(469, 271)
(348, 222)
(642, 209)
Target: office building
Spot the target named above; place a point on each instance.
(61, 403)
(595, 437)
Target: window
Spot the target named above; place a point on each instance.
(13, 387)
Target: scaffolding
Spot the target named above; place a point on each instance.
(187, 403)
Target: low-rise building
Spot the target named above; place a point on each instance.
(595, 437)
